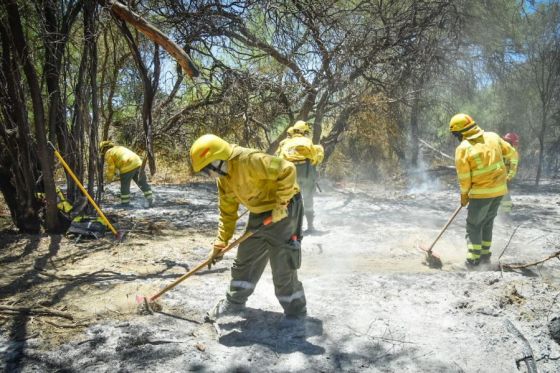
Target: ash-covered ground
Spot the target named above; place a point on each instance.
(373, 305)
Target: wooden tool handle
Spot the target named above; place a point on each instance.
(445, 227)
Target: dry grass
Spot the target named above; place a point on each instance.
(174, 169)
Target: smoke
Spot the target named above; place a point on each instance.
(422, 179)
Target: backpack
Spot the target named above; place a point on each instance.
(87, 227)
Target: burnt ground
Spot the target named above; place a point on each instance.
(373, 305)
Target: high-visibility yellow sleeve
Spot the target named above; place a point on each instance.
(512, 156)
(463, 169)
(228, 206)
(319, 154)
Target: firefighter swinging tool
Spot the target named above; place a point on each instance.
(119, 235)
(432, 260)
(148, 305)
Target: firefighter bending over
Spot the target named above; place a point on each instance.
(267, 187)
(127, 166)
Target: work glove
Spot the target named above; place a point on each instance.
(464, 199)
(510, 176)
(280, 212)
(215, 255)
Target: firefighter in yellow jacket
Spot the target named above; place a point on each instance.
(300, 150)
(127, 164)
(483, 178)
(266, 185)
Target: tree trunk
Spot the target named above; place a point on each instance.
(541, 145)
(335, 136)
(90, 16)
(414, 135)
(45, 155)
(150, 88)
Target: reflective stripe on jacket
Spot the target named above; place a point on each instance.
(122, 159)
(257, 180)
(297, 148)
(480, 165)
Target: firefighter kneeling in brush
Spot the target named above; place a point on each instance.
(299, 150)
(267, 187)
(128, 164)
(483, 178)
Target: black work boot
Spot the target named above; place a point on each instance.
(485, 258)
(225, 307)
(472, 263)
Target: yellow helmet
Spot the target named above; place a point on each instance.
(207, 149)
(301, 127)
(104, 145)
(461, 123)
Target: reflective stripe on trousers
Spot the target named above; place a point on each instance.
(290, 298)
(242, 284)
(486, 247)
(269, 244)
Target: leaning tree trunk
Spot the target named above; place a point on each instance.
(339, 127)
(150, 88)
(90, 15)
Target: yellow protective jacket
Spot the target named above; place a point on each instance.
(298, 148)
(479, 160)
(122, 159)
(257, 180)
(511, 165)
(320, 154)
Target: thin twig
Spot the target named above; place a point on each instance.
(66, 326)
(510, 238)
(41, 311)
(436, 150)
(519, 266)
(505, 248)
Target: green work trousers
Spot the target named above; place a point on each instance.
(281, 243)
(306, 178)
(139, 177)
(480, 222)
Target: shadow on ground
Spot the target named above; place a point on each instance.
(266, 328)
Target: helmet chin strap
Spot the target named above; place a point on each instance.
(222, 168)
(216, 169)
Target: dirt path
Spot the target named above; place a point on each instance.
(373, 305)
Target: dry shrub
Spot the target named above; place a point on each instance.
(172, 168)
(371, 145)
(339, 166)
